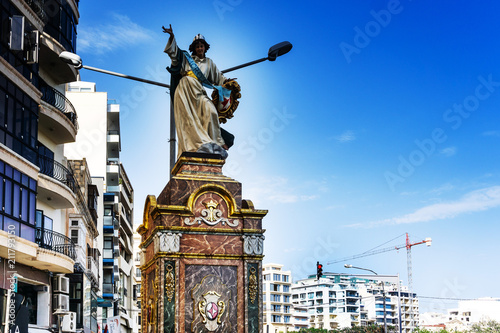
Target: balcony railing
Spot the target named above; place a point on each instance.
(56, 170)
(59, 172)
(59, 101)
(51, 240)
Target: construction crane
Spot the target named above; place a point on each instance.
(408, 245)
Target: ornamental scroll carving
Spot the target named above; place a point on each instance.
(253, 245)
(211, 215)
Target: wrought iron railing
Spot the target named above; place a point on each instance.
(59, 101)
(51, 240)
(56, 170)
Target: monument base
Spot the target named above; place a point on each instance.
(202, 251)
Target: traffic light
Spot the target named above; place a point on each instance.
(319, 270)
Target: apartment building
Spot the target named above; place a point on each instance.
(99, 140)
(276, 298)
(331, 302)
(48, 216)
(338, 301)
(137, 280)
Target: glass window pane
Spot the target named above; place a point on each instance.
(8, 197)
(39, 218)
(16, 201)
(28, 232)
(1, 193)
(11, 226)
(31, 218)
(32, 184)
(24, 205)
(47, 223)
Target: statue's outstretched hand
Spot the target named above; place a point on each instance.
(168, 30)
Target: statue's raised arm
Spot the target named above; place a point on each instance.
(196, 115)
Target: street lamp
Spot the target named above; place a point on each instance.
(274, 52)
(383, 290)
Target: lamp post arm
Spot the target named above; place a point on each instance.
(127, 76)
(244, 65)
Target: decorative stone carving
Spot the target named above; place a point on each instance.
(169, 282)
(167, 242)
(210, 305)
(211, 216)
(253, 245)
(253, 287)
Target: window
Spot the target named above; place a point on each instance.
(17, 202)
(274, 287)
(286, 289)
(286, 308)
(276, 277)
(138, 272)
(267, 277)
(18, 120)
(276, 319)
(108, 248)
(275, 298)
(275, 308)
(286, 299)
(74, 236)
(285, 278)
(286, 319)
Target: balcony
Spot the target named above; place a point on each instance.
(56, 184)
(31, 254)
(57, 116)
(54, 241)
(93, 268)
(113, 143)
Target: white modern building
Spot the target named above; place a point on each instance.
(276, 298)
(468, 313)
(99, 141)
(338, 301)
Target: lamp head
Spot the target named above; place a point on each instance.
(278, 50)
(347, 266)
(71, 58)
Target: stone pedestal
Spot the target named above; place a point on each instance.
(202, 253)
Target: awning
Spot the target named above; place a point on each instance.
(104, 303)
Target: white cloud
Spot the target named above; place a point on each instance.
(449, 151)
(492, 133)
(346, 136)
(474, 201)
(120, 32)
(278, 190)
(443, 188)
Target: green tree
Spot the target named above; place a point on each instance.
(490, 326)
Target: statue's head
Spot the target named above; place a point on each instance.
(198, 39)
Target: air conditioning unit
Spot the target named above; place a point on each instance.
(61, 302)
(60, 284)
(69, 322)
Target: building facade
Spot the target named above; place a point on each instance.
(47, 201)
(277, 302)
(99, 140)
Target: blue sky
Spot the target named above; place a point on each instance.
(382, 120)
